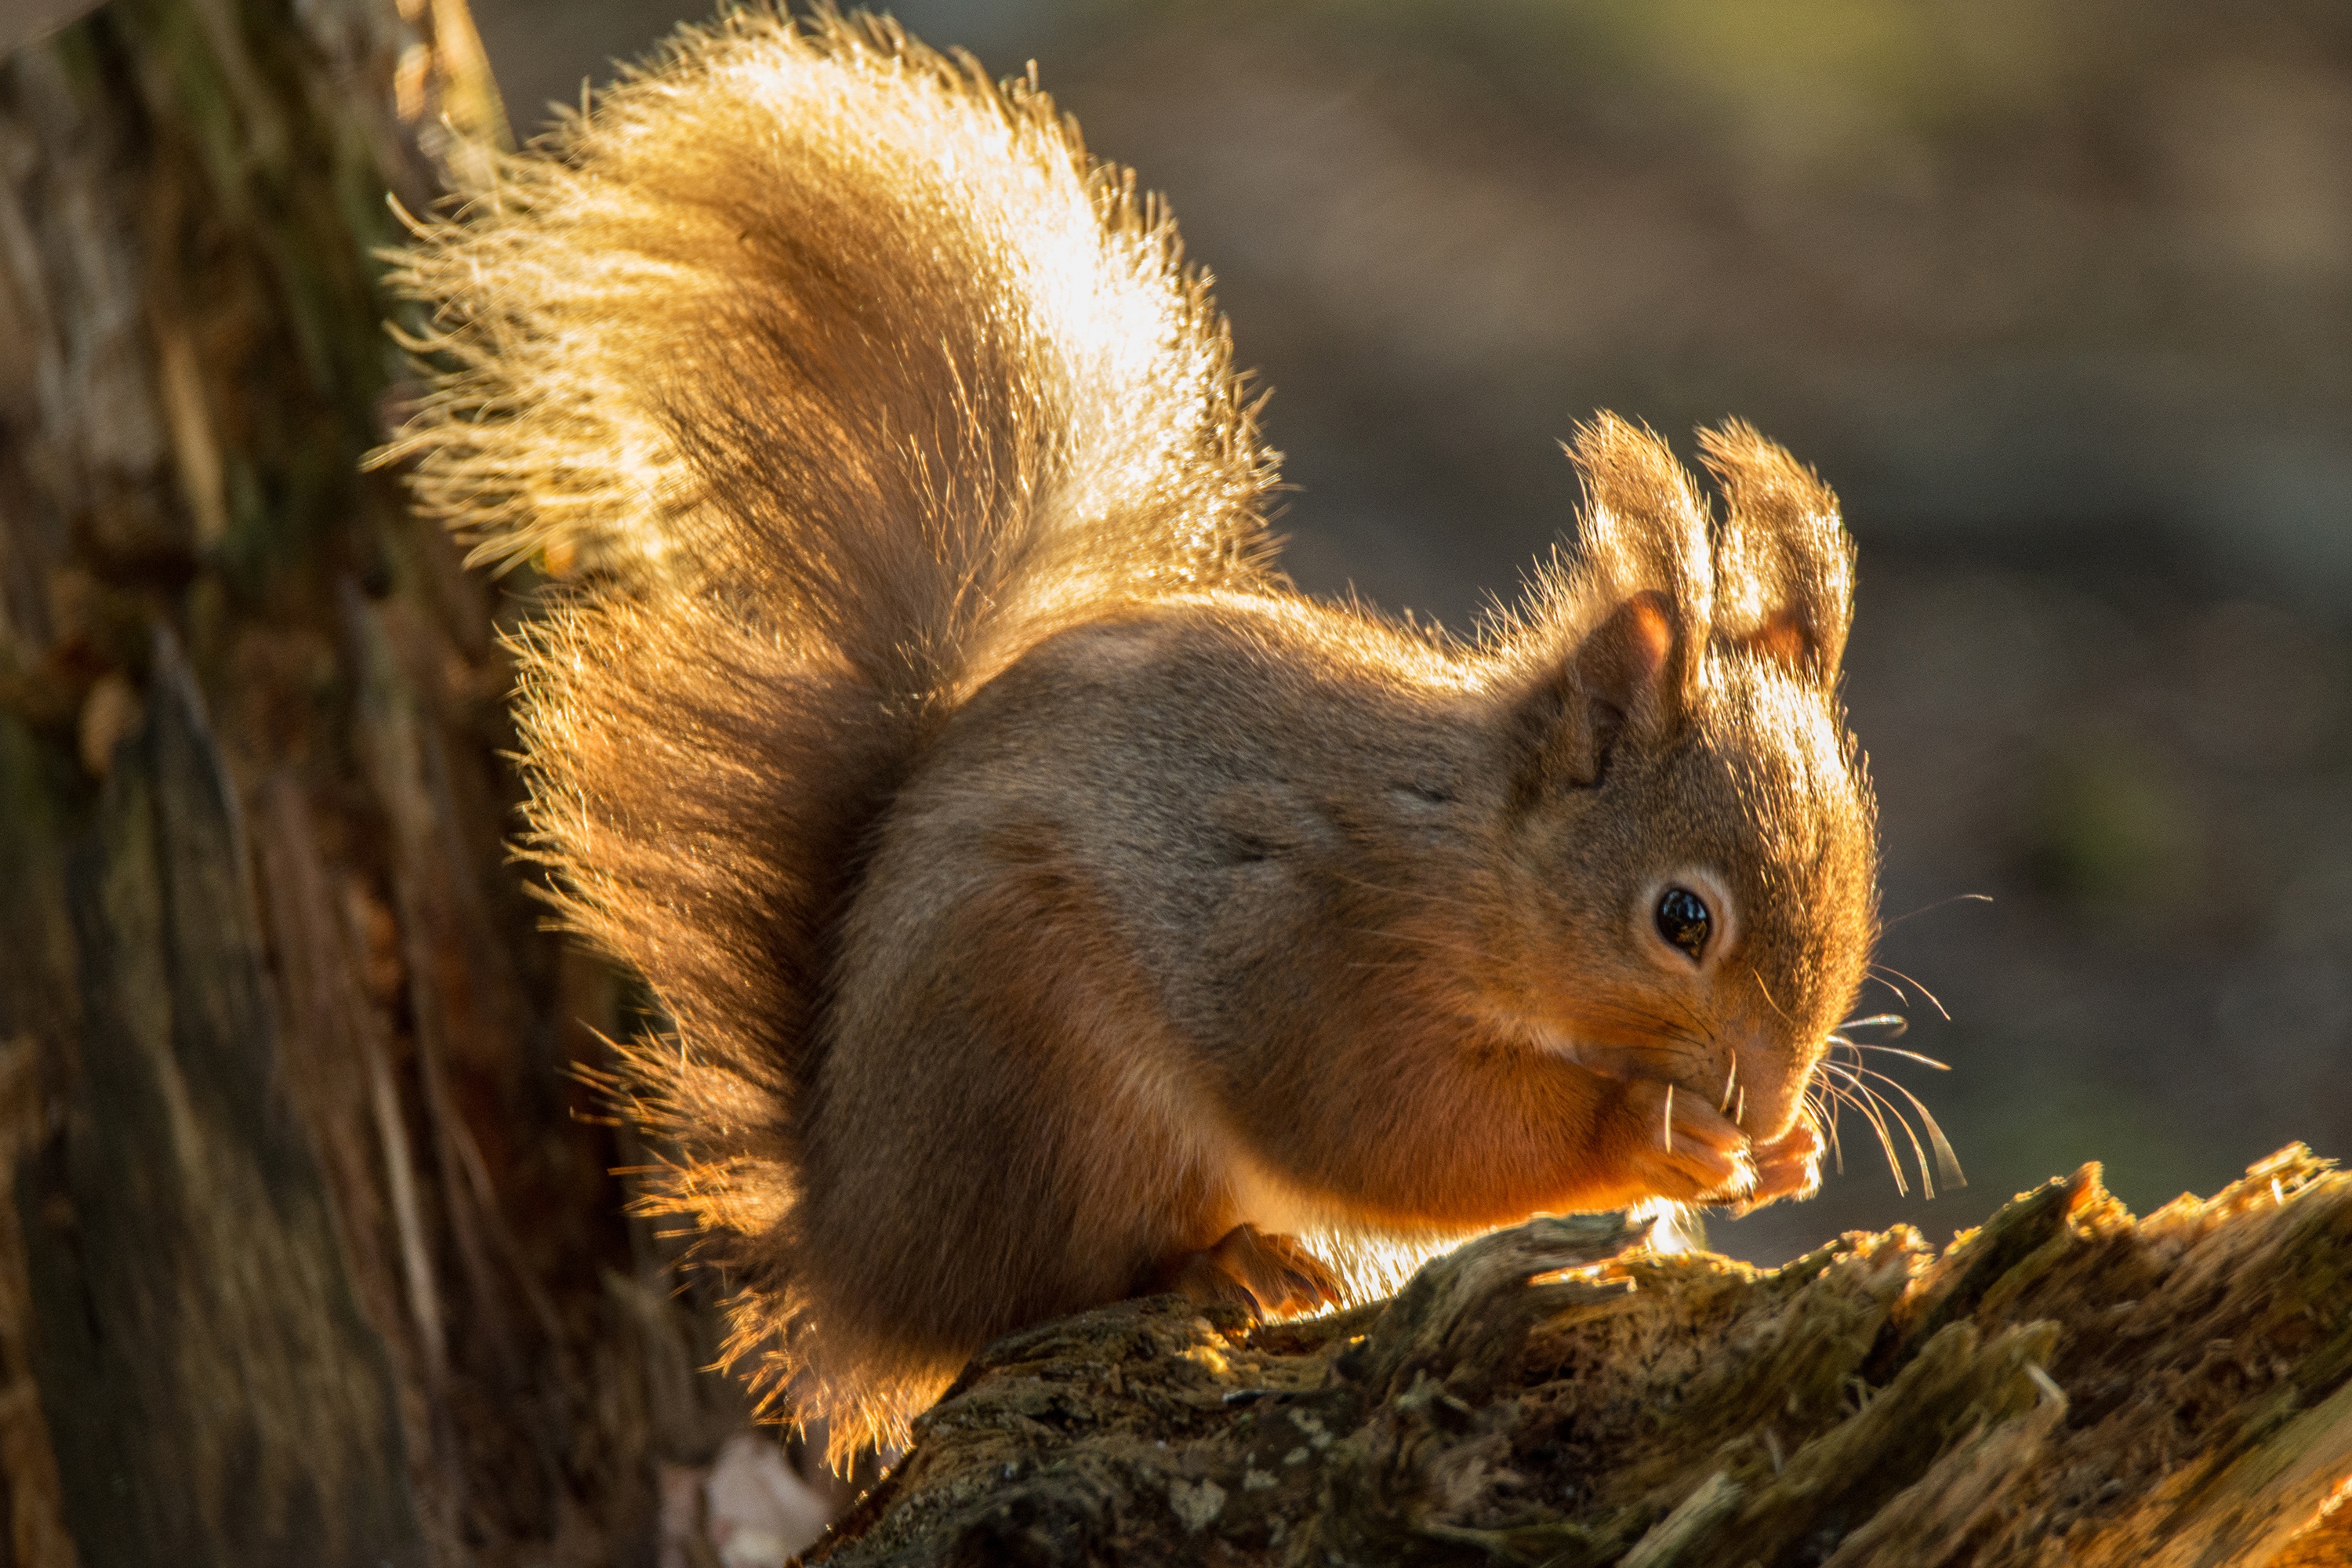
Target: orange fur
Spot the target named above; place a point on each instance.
(1046, 902)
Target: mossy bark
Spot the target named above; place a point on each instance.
(2065, 1386)
(310, 1252)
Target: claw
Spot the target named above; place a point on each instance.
(1264, 1273)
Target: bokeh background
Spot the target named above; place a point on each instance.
(2056, 293)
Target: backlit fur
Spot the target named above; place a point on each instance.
(1036, 887)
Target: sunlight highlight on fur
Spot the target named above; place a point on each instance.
(835, 382)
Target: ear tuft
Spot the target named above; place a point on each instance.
(1784, 562)
(1615, 640)
(1645, 535)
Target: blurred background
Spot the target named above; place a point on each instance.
(2056, 293)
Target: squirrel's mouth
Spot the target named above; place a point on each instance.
(1719, 1073)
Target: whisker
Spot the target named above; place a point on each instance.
(1441, 947)
(1876, 1106)
(1873, 975)
(1758, 976)
(1649, 1024)
(1907, 1055)
(1923, 991)
(1939, 903)
(1896, 1022)
(1867, 1105)
(1837, 1149)
(1730, 1082)
(1690, 1016)
(1618, 1012)
(1655, 1027)
(1947, 1161)
(1673, 1051)
(1926, 1183)
(1846, 1096)
(1411, 939)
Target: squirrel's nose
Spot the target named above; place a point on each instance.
(1764, 1081)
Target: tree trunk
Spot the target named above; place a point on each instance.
(313, 1254)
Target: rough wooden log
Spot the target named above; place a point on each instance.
(2065, 1384)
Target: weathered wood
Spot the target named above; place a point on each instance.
(38, 1008)
(308, 1251)
(2064, 1385)
(212, 1390)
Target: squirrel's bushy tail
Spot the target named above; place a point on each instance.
(827, 376)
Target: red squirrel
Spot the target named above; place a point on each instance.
(1047, 901)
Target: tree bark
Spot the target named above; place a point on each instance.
(311, 1253)
(2065, 1386)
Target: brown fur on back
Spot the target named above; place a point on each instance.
(838, 375)
(1037, 888)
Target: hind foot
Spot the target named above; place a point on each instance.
(1264, 1273)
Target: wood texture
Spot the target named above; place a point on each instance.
(312, 1252)
(228, 1402)
(2065, 1386)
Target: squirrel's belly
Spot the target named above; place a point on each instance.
(1265, 1200)
(1220, 1162)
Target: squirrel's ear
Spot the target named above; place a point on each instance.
(1614, 679)
(1784, 562)
(1623, 629)
(1645, 542)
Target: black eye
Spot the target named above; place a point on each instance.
(1683, 921)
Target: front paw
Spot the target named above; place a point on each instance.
(1685, 1148)
(1789, 1166)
